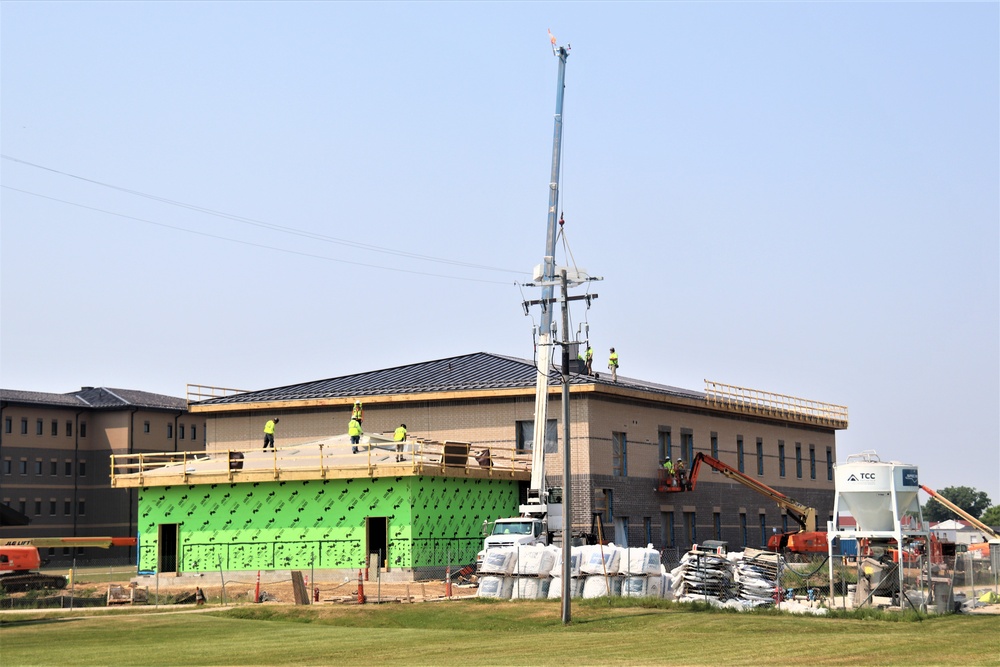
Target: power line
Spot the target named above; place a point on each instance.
(266, 225)
(251, 244)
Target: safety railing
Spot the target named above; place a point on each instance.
(319, 461)
(770, 404)
(201, 392)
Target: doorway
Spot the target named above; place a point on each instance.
(377, 539)
(167, 556)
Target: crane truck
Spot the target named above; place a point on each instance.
(541, 517)
(806, 540)
(20, 559)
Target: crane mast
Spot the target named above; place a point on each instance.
(536, 492)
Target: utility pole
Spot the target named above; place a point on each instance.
(567, 533)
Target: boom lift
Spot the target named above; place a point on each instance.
(20, 559)
(806, 540)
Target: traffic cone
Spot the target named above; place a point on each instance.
(447, 581)
(361, 589)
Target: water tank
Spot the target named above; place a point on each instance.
(875, 492)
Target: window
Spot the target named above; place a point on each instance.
(145, 427)
(81, 507)
(55, 427)
(743, 527)
(739, 452)
(798, 460)
(829, 463)
(38, 507)
(781, 458)
(690, 532)
(194, 432)
(83, 429)
(784, 523)
(619, 454)
(81, 468)
(170, 431)
(6, 466)
(717, 522)
(66, 551)
(665, 444)
(687, 445)
(53, 467)
(69, 468)
(8, 424)
(760, 456)
(69, 429)
(38, 466)
(67, 507)
(22, 506)
(24, 426)
(52, 551)
(667, 518)
(180, 431)
(22, 466)
(715, 446)
(812, 461)
(52, 507)
(38, 427)
(526, 436)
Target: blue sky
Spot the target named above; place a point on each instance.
(796, 197)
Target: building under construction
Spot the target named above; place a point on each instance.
(311, 502)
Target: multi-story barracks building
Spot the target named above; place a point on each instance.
(311, 502)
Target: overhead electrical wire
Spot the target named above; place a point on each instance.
(265, 225)
(269, 248)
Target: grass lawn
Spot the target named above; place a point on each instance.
(489, 633)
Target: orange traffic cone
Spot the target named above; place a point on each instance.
(361, 589)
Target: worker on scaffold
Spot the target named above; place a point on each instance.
(400, 437)
(354, 430)
(613, 365)
(358, 411)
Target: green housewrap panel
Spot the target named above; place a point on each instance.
(431, 521)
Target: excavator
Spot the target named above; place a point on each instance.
(20, 559)
(806, 540)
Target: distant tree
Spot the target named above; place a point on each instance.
(991, 517)
(972, 501)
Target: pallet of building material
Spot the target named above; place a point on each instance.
(638, 586)
(499, 561)
(530, 588)
(640, 561)
(600, 559)
(575, 587)
(575, 560)
(535, 561)
(495, 587)
(599, 586)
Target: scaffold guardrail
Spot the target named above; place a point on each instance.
(202, 392)
(771, 404)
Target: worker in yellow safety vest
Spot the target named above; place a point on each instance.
(358, 412)
(613, 365)
(269, 433)
(400, 437)
(589, 359)
(354, 430)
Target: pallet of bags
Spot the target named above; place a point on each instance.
(495, 587)
(575, 560)
(599, 586)
(640, 561)
(555, 588)
(535, 561)
(637, 586)
(530, 588)
(600, 559)
(499, 561)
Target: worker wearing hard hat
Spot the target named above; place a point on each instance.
(613, 365)
(354, 430)
(269, 433)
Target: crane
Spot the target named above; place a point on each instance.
(806, 540)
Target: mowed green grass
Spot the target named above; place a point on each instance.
(477, 633)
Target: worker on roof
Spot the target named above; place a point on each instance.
(269, 433)
(358, 411)
(589, 359)
(400, 437)
(613, 365)
(354, 430)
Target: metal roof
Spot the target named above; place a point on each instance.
(476, 371)
(95, 398)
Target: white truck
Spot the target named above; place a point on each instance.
(535, 526)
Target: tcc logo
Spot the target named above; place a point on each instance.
(866, 476)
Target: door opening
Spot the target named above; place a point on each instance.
(167, 549)
(377, 539)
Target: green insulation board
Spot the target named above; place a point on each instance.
(417, 521)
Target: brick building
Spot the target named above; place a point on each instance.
(55, 453)
(620, 433)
